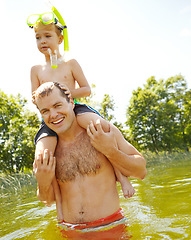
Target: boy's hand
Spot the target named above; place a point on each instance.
(44, 169)
(102, 141)
(67, 92)
(66, 89)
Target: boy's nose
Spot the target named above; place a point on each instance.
(43, 40)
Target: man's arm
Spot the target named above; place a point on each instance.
(119, 152)
(44, 170)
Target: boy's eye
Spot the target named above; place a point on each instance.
(37, 38)
(48, 36)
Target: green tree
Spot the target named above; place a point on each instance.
(158, 115)
(18, 127)
(89, 100)
(107, 107)
(186, 120)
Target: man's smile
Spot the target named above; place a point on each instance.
(58, 121)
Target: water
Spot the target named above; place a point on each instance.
(160, 208)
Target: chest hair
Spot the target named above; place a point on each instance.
(76, 158)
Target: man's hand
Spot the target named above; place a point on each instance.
(118, 151)
(102, 141)
(44, 169)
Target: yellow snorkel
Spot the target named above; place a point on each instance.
(65, 32)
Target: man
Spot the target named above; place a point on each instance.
(83, 161)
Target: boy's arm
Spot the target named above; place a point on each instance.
(44, 170)
(84, 89)
(119, 152)
(34, 78)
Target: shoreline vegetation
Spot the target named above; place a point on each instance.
(17, 183)
(175, 157)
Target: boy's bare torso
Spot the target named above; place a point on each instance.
(87, 181)
(62, 74)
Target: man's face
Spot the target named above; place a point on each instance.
(57, 113)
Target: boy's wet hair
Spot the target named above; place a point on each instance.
(46, 88)
(58, 30)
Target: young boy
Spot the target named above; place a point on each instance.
(48, 38)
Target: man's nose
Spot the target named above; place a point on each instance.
(53, 113)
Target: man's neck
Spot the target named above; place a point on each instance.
(71, 133)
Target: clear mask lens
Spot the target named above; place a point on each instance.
(47, 18)
(33, 19)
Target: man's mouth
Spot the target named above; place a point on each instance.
(58, 121)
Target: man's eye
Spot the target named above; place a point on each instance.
(44, 112)
(58, 105)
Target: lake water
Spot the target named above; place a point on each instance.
(160, 208)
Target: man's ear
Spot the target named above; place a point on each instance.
(61, 38)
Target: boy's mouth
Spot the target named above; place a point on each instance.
(44, 48)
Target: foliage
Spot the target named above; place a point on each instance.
(163, 157)
(88, 100)
(107, 106)
(17, 130)
(106, 109)
(17, 183)
(158, 116)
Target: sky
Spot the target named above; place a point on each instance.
(118, 43)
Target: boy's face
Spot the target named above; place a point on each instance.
(46, 37)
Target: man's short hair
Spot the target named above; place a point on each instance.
(46, 88)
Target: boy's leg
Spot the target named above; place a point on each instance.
(50, 144)
(46, 143)
(127, 188)
(84, 120)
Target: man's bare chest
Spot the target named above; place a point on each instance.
(78, 158)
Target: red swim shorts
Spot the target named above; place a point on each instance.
(111, 227)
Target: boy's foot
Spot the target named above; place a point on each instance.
(128, 189)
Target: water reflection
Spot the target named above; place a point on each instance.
(160, 208)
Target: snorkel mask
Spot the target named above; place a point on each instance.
(47, 18)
